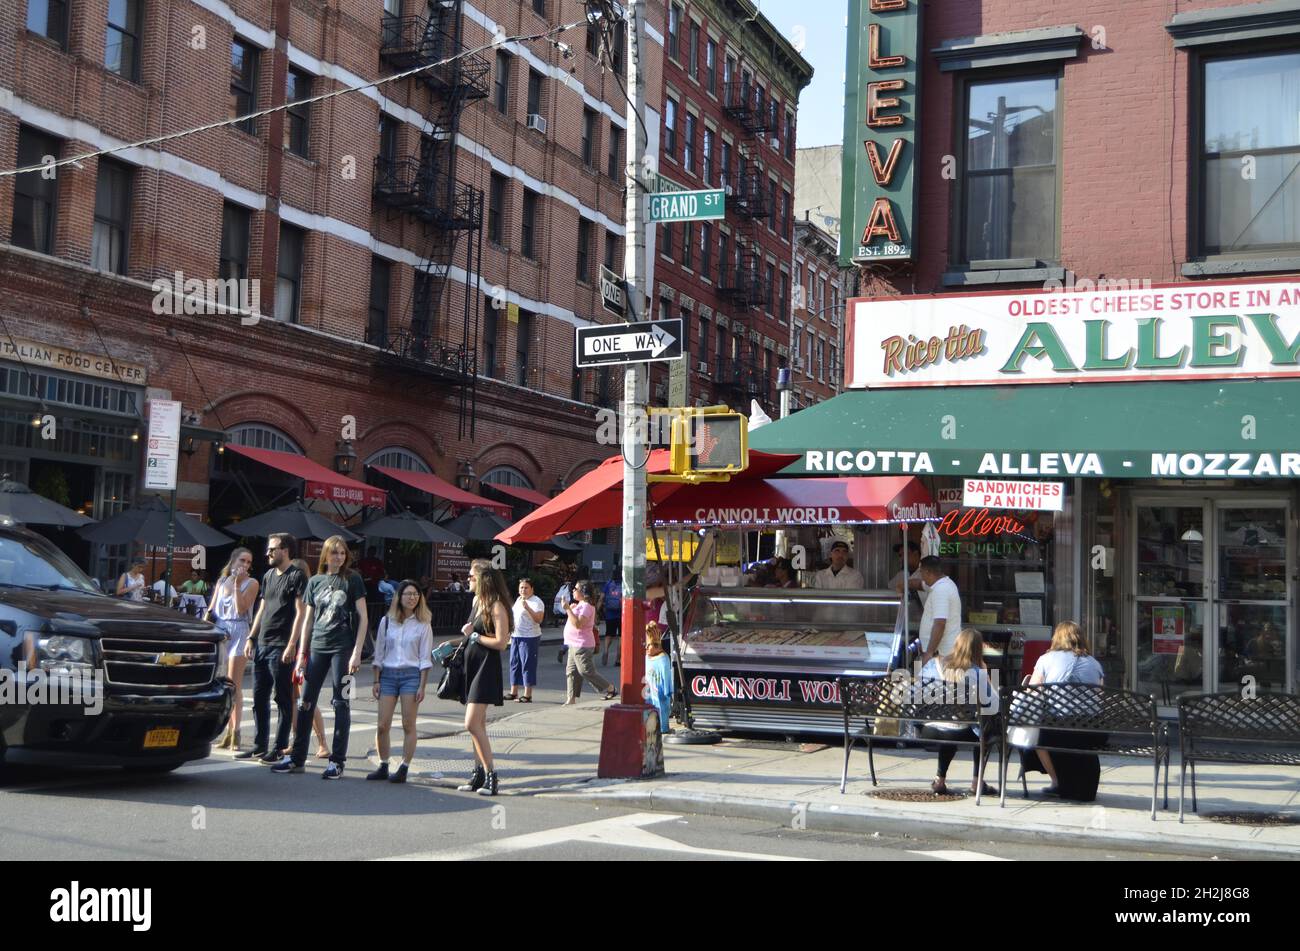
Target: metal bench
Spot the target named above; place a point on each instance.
(1120, 722)
(1262, 730)
(898, 697)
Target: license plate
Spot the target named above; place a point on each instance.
(162, 738)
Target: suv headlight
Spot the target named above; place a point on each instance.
(61, 653)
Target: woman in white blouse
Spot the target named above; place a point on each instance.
(403, 658)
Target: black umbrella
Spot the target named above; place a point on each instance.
(295, 519)
(30, 508)
(477, 525)
(408, 526)
(146, 524)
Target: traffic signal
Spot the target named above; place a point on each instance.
(709, 443)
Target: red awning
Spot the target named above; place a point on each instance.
(430, 483)
(795, 501)
(318, 482)
(531, 496)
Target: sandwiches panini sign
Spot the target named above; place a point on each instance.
(1178, 332)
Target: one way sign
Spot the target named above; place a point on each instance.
(646, 342)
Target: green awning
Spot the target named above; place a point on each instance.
(1183, 430)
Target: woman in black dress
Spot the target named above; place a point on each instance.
(487, 638)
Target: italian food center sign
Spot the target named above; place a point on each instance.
(880, 130)
(1168, 332)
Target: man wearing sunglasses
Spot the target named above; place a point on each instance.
(279, 616)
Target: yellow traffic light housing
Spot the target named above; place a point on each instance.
(708, 444)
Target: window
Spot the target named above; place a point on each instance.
(670, 127)
(389, 129)
(615, 151)
(35, 196)
(685, 316)
(688, 245)
(704, 338)
(785, 214)
(122, 39)
(789, 135)
(724, 250)
(490, 340)
(620, 45)
(706, 249)
(501, 84)
(393, 8)
(523, 339)
(584, 250)
(297, 86)
(665, 307)
(770, 289)
(728, 70)
(539, 7)
(821, 360)
(589, 138)
(711, 66)
(1009, 179)
(1247, 99)
(288, 274)
(688, 148)
(725, 178)
(706, 170)
(771, 203)
(234, 242)
(49, 18)
(534, 93)
(108, 250)
(593, 40)
(693, 54)
(798, 285)
(675, 31)
(422, 306)
(668, 241)
(377, 327)
(575, 387)
(497, 209)
(243, 83)
(611, 252)
(783, 300)
(528, 230)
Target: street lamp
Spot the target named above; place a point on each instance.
(465, 476)
(345, 459)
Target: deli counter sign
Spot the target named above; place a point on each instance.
(880, 130)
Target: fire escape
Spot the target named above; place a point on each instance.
(743, 280)
(434, 352)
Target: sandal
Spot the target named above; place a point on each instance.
(939, 788)
(525, 699)
(611, 694)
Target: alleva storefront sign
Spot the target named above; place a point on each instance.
(1171, 332)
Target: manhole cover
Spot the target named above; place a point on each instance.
(916, 795)
(1252, 818)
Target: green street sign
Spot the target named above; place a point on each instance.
(688, 206)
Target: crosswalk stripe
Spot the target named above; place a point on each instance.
(958, 855)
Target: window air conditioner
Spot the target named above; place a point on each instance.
(537, 122)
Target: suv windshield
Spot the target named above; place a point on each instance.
(35, 563)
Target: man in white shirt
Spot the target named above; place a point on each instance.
(529, 612)
(941, 619)
(839, 577)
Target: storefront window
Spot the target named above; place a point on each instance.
(1101, 578)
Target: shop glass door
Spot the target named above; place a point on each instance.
(1171, 595)
(1252, 602)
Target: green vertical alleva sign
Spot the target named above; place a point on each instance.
(881, 96)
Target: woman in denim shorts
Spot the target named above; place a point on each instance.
(403, 658)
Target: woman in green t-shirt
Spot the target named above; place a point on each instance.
(336, 617)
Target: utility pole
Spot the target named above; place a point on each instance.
(625, 735)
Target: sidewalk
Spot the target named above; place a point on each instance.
(551, 750)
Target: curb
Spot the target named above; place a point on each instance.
(862, 819)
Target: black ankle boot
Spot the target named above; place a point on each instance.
(399, 775)
(476, 780)
(489, 785)
(380, 773)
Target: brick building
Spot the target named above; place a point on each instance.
(730, 96)
(817, 317)
(419, 252)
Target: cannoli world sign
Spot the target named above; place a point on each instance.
(880, 102)
(1162, 332)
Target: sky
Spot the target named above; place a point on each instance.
(817, 25)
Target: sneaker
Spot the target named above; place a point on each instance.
(270, 758)
(287, 765)
(490, 784)
(476, 780)
(380, 773)
(333, 771)
(399, 775)
(249, 754)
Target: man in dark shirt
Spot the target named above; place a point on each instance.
(279, 617)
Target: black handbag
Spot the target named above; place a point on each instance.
(452, 684)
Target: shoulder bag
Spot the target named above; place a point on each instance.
(452, 684)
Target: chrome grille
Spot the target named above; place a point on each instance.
(137, 663)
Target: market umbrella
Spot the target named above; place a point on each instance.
(30, 508)
(596, 499)
(146, 524)
(408, 526)
(295, 519)
(477, 525)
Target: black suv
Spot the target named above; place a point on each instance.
(92, 680)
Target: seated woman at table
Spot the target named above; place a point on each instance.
(1067, 661)
(965, 667)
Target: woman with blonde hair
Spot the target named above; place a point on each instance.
(403, 658)
(1068, 661)
(965, 668)
(231, 608)
(336, 617)
(290, 656)
(487, 636)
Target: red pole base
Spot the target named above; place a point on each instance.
(630, 745)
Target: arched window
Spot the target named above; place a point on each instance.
(261, 436)
(395, 457)
(506, 475)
